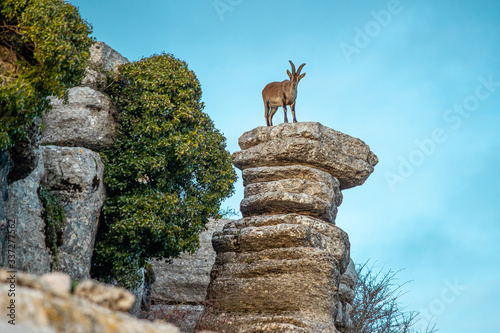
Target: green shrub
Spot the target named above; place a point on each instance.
(43, 51)
(167, 173)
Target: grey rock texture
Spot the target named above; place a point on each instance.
(102, 58)
(347, 288)
(346, 158)
(105, 56)
(86, 120)
(5, 165)
(24, 224)
(185, 278)
(184, 316)
(75, 175)
(282, 267)
(94, 308)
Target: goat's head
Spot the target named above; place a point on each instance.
(295, 76)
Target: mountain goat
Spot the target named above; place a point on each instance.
(284, 93)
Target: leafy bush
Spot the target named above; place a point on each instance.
(43, 51)
(167, 172)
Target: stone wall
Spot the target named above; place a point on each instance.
(285, 266)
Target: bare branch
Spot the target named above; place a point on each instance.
(376, 308)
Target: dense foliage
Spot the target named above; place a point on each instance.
(43, 51)
(167, 173)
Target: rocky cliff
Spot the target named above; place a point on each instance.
(59, 164)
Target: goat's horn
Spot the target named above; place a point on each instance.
(293, 67)
(300, 68)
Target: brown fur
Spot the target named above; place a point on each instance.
(284, 93)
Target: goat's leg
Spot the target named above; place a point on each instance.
(284, 111)
(292, 106)
(273, 111)
(266, 114)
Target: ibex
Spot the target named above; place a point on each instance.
(277, 94)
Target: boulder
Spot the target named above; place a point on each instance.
(85, 120)
(102, 58)
(110, 297)
(311, 144)
(103, 55)
(267, 174)
(76, 176)
(283, 231)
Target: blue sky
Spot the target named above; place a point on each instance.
(417, 80)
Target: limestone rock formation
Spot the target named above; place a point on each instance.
(102, 57)
(23, 228)
(290, 189)
(185, 279)
(346, 158)
(280, 267)
(40, 306)
(73, 173)
(347, 287)
(85, 120)
(76, 176)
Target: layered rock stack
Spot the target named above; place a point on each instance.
(279, 268)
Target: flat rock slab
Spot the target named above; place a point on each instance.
(311, 144)
(282, 231)
(85, 120)
(290, 189)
